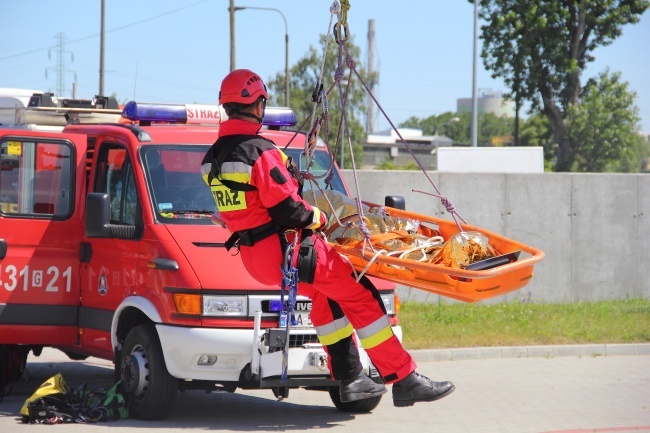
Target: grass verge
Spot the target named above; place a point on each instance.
(431, 326)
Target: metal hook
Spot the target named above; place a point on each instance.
(338, 37)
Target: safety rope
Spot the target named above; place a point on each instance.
(341, 39)
(446, 202)
(320, 97)
(317, 95)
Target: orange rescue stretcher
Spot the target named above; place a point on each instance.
(509, 268)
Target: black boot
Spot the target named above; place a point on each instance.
(360, 387)
(415, 387)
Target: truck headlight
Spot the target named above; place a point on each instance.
(225, 306)
(389, 303)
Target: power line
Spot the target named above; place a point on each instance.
(108, 31)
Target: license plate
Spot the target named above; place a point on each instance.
(301, 314)
(303, 320)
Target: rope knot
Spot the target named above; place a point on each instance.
(349, 61)
(338, 73)
(448, 205)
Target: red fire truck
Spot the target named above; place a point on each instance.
(107, 249)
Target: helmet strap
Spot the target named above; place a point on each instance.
(246, 114)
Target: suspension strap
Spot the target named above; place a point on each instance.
(290, 290)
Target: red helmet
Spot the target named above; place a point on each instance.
(242, 86)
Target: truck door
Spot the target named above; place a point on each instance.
(110, 274)
(41, 178)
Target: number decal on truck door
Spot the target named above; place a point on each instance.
(33, 279)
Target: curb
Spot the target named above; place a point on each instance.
(576, 350)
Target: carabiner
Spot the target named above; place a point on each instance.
(341, 38)
(343, 22)
(317, 94)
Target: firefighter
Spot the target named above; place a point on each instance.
(258, 199)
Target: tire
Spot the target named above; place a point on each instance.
(149, 388)
(359, 406)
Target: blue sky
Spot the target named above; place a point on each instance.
(178, 51)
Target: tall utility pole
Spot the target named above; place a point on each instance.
(286, 61)
(474, 137)
(370, 121)
(286, 46)
(101, 51)
(61, 68)
(232, 35)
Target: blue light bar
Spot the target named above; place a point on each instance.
(279, 116)
(199, 114)
(155, 112)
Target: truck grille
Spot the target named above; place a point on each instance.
(274, 338)
(300, 339)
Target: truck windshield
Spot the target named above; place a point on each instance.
(319, 169)
(177, 191)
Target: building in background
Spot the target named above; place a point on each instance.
(386, 146)
(488, 101)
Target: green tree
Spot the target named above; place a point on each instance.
(536, 132)
(490, 125)
(389, 164)
(541, 47)
(304, 76)
(603, 125)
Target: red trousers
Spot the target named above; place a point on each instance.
(339, 303)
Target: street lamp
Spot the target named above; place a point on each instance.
(452, 120)
(474, 137)
(286, 51)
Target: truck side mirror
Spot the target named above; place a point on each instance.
(395, 201)
(98, 214)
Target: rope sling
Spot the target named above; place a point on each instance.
(340, 33)
(501, 273)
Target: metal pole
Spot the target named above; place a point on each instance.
(286, 50)
(101, 51)
(232, 35)
(474, 138)
(286, 64)
(370, 121)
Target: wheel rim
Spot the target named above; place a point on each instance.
(134, 372)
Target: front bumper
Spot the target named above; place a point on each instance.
(235, 349)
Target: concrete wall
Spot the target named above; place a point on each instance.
(593, 228)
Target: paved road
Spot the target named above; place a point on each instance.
(576, 389)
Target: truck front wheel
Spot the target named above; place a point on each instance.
(151, 390)
(359, 406)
